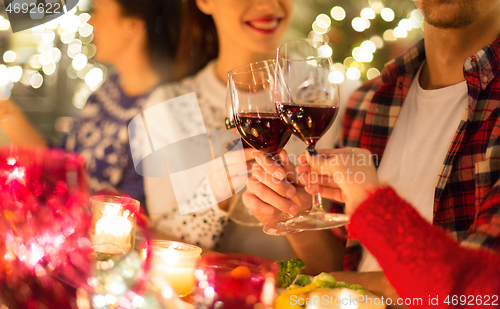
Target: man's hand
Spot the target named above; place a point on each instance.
(273, 188)
(346, 175)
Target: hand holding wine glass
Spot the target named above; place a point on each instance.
(346, 175)
(308, 103)
(253, 98)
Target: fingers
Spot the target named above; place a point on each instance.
(303, 168)
(270, 166)
(269, 196)
(308, 179)
(261, 210)
(326, 192)
(289, 167)
(281, 187)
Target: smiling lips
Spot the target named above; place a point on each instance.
(264, 25)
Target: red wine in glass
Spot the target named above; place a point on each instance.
(230, 125)
(264, 132)
(307, 121)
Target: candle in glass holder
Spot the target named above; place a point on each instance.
(174, 262)
(113, 223)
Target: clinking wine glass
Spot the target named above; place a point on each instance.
(253, 101)
(238, 213)
(307, 102)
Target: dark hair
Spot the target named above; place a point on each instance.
(162, 18)
(198, 43)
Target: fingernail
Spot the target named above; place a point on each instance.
(278, 175)
(290, 192)
(294, 209)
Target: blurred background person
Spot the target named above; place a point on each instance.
(139, 40)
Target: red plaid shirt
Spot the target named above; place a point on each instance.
(467, 196)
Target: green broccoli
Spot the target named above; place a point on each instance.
(288, 271)
(303, 280)
(355, 287)
(341, 284)
(325, 280)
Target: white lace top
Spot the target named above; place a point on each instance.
(204, 226)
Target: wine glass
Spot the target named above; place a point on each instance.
(253, 101)
(238, 213)
(308, 103)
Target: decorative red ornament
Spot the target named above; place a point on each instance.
(44, 218)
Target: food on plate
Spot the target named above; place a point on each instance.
(288, 271)
(322, 292)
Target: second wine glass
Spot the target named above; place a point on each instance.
(308, 103)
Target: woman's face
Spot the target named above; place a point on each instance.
(254, 25)
(112, 30)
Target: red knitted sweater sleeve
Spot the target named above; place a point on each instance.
(420, 260)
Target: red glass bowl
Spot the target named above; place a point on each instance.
(219, 286)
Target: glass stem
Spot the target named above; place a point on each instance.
(316, 199)
(316, 203)
(312, 151)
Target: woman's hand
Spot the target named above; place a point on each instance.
(273, 188)
(346, 175)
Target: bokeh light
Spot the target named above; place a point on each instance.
(372, 73)
(338, 13)
(367, 13)
(9, 56)
(387, 14)
(36, 80)
(323, 21)
(353, 74)
(336, 77)
(359, 24)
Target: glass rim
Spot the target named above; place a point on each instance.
(103, 198)
(323, 43)
(166, 244)
(262, 63)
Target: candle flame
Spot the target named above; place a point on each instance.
(170, 256)
(112, 223)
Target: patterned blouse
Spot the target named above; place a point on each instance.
(100, 134)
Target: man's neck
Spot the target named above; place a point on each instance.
(447, 49)
(138, 76)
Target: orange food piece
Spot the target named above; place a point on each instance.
(242, 272)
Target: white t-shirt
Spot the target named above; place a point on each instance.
(417, 147)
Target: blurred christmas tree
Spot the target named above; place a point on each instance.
(363, 34)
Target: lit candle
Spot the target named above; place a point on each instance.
(174, 262)
(114, 227)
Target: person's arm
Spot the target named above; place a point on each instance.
(375, 282)
(321, 251)
(18, 128)
(420, 259)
